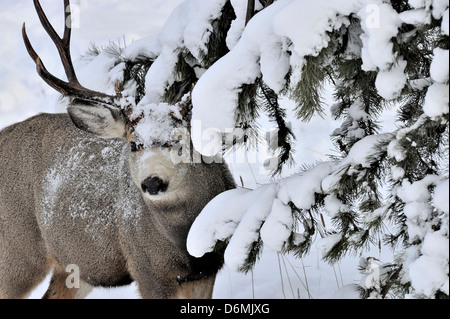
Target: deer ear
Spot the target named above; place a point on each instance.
(101, 120)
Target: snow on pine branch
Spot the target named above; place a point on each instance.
(277, 41)
(187, 30)
(377, 51)
(401, 50)
(243, 217)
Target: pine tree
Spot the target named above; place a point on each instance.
(400, 178)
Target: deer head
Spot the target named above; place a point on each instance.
(109, 116)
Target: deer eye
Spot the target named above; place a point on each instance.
(135, 147)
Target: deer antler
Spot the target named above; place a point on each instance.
(73, 87)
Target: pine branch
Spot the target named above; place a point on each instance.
(278, 115)
(308, 92)
(216, 47)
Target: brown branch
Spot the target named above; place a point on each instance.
(250, 11)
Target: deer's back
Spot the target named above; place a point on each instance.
(69, 188)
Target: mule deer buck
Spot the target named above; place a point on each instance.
(76, 189)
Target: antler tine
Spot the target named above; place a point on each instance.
(63, 45)
(73, 87)
(68, 23)
(59, 85)
(28, 45)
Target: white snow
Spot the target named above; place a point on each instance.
(436, 100)
(397, 173)
(247, 231)
(334, 206)
(363, 152)
(390, 83)
(262, 51)
(437, 245)
(380, 23)
(417, 214)
(184, 30)
(420, 84)
(238, 214)
(237, 26)
(325, 244)
(147, 46)
(349, 291)
(427, 275)
(202, 236)
(52, 182)
(376, 214)
(416, 16)
(356, 111)
(417, 3)
(300, 188)
(439, 68)
(427, 265)
(278, 226)
(395, 150)
(156, 126)
(445, 22)
(416, 191)
(440, 197)
(439, 7)
(93, 74)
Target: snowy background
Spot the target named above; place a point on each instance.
(23, 94)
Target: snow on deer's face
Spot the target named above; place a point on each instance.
(152, 169)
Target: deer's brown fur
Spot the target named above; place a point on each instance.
(68, 197)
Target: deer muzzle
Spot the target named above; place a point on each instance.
(153, 185)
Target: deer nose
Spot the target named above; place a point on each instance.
(153, 185)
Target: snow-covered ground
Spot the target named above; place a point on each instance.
(23, 94)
